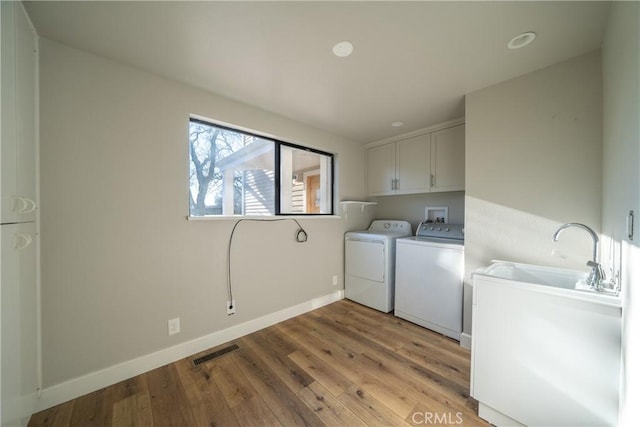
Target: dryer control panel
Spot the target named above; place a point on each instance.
(390, 226)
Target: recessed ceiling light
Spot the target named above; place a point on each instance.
(342, 49)
(521, 40)
(397, 124)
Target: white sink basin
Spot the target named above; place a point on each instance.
(566, 281)
(536, 274)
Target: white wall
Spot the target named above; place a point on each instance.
(533, 162)
(119, 257)
(410, 207)
(621, 188)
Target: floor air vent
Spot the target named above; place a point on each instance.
(207, 357)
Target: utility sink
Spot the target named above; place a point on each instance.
(542, 339)
(570, 282)
(536, 274)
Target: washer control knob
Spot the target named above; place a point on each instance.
(387, 225)
(431, 228)
(446, 229)
(439, 228)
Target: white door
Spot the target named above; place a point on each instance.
(8, 114)
(17, 115)
(25, 116)
(18, 346)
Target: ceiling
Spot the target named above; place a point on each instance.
(413, 61)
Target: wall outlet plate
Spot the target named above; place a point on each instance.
(335, 280)
(174, 326)
(231, 307)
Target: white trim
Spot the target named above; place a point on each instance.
(259, 133)
(496, 418)
(80, 386)
(33, 401)
(465, 341)
(262, 217)
(439, 126)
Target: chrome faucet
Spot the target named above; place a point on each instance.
(593, 234)
(597, 276)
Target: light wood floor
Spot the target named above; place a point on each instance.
(340, 365)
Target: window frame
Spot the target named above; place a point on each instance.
(278, 144)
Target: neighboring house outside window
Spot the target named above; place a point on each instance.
(233, 172)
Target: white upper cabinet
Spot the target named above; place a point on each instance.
(399, 167)
(382, 160)
(447, 159)
(18, 116)
(427, 162)
(412, 165)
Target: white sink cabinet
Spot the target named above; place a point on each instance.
(544, 353)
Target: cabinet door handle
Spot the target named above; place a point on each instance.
(19, 204)
(22, 241)
(433, 180)
(23, 205)
(630, 225)
(30, 206)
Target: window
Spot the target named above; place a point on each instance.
(233, 172)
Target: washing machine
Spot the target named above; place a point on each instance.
(429, 278)
(369, 261)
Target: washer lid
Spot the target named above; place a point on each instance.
(435, 242)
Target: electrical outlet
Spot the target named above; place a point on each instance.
(335, 280)
(174, 326)
(231, 307)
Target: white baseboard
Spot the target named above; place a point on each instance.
(60, 393)
(495, 417)
(465, 341)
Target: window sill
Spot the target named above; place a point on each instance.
(261, 217)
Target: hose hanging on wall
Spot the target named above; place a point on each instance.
(301, 237)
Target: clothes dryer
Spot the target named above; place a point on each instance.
(370, 263)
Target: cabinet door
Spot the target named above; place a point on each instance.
(413, 165)
(381, 169)
(574, 376)
(18, 311)
(25, 115)
(447, 159)
(18, 115)
(8, 113)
